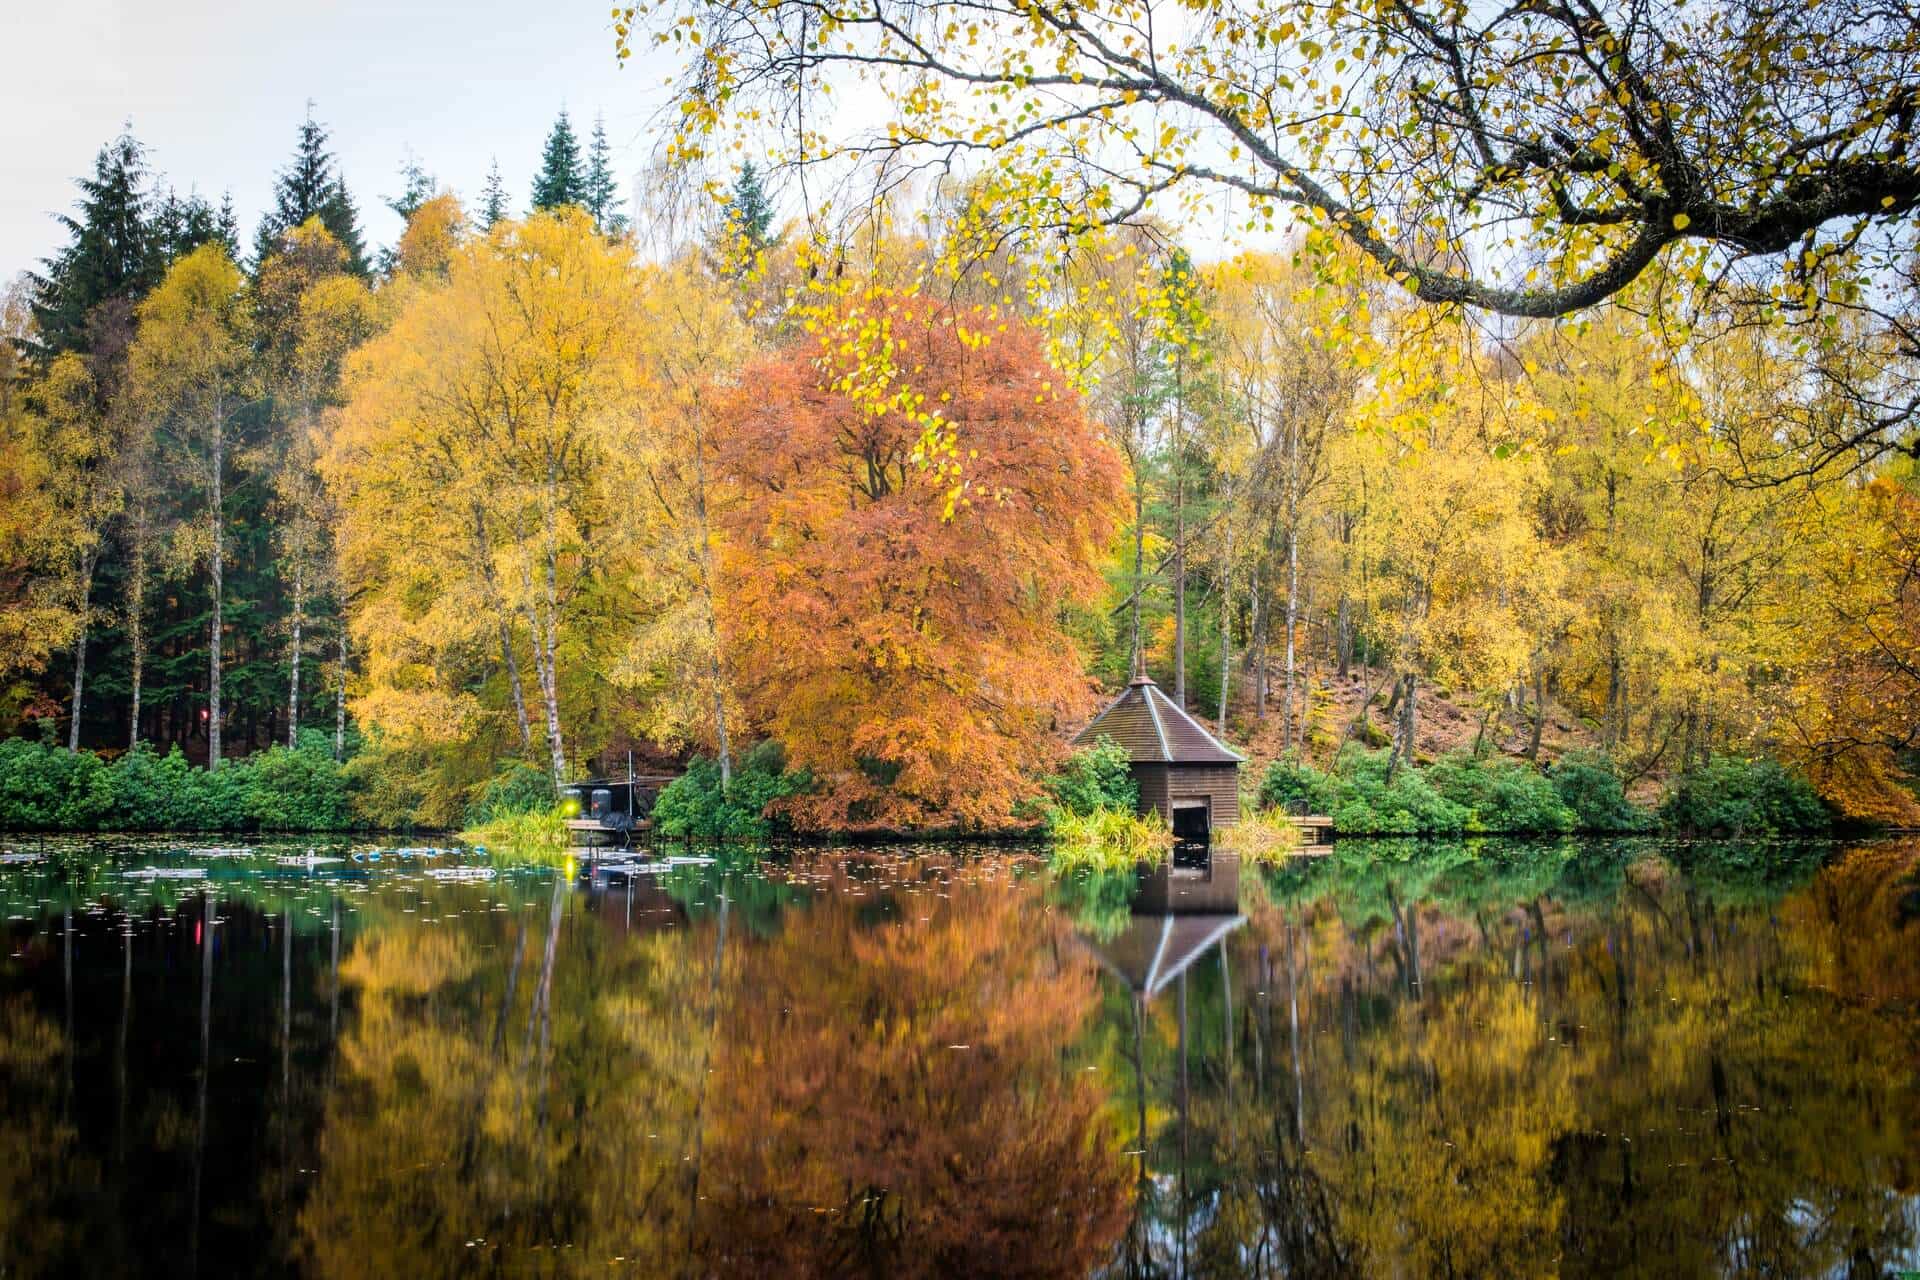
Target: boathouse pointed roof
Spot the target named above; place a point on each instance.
(1153, 729)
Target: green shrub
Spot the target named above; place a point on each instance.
(515, 788)
(46, 788)
(154, 792)
(1367, 803)
(298, 789)
(1500, 795)
(1589, 785)
(1733, 796)
(1292, 784)
(693, 805)
(1091, 779)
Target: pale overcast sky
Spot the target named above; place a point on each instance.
(217, 88)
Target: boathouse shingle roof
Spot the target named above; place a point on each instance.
(1153, 729)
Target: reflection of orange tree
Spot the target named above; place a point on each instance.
(889, 1095)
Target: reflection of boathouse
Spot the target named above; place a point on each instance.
(1178, 915)
(1185, 774)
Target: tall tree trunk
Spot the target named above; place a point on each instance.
(1288, 721)
(1539, 710)
(1226, 633)
(219, 582)
(137, 629)
(717, 670)
(1137, 661)
(293, 662)
(1179, 535)
(556, 747)
(80, 654)
(1404, 697)
(340, 698)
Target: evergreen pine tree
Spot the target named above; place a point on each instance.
(561, 180)
(309, 188)
(493, 197)
(182, 224)
(111, 251)
(749, 213)
(602, 189)
(418, 188)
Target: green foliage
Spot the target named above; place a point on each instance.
(536, 835)
(311, 187)
(562, 179)
(1109, 840)
(1500, 795)
(1732, 796)
(47, 788)
(1589, 785)
(1293, 785)
(515, 788)
(1455, 794)
(693, 804)
(1360, 798)
(1091, 779)
(298, 789)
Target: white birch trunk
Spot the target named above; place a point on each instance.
(293, 675)
(219, 574)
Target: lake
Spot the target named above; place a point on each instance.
(1580, 1058)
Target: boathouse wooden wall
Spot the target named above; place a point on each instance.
(1162, 784)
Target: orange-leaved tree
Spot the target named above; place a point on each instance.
(900, 635)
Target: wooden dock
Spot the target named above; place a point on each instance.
(1314, 829)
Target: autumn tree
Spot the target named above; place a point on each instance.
(478, 469)
(692, 346)
(192, 376)
(897, 632)
(1526, 161)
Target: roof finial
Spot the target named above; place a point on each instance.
(1140, 675)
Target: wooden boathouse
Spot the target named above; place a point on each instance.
(1185, 774)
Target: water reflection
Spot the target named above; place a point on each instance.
(1398, 1060)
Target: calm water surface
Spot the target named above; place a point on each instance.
(1586, 1059)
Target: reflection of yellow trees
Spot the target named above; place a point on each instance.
(37, 1151)
(452, 1135)
(1878, 964)
(889, 1096)
(1659, 1083)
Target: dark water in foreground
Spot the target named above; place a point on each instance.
(1584, 1059)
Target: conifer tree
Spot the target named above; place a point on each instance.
(749, 213)
(182, 224)
(493, 197)
(418, 188)
(311, 187)
(561, 180)
(111, 252)
(602, 188)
